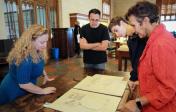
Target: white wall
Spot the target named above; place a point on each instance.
(75, 6)
(3, 32)
(120, 7)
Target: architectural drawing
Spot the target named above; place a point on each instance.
(83, 101)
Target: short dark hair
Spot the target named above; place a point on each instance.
(115, 21)
(94, 11)
(144, 9)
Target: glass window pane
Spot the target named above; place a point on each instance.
(173, 17)
(174, 8)
(162, 18)
(170, 25)
(41, 16)
(11, 19)
(52, 18)
(169, 7)
(167, 17)
(28, 15)
(163, 9)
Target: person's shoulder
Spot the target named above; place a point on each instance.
(103, 26)
(85, 26)
(166, 39)
(25, 62)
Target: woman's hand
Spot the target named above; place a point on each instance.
(130, 107)
(133, 85)
(30, 87)
(49, 90)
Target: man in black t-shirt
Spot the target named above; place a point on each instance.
(94, 42)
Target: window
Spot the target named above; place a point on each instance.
(52, 17)
(41, 15)
(170, 25)
(167, 9)
(168, 13)
(106, 9)
(28, 14)
(11, 19)
(21, 14)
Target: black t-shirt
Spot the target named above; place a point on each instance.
(136, 46)
(94, 35)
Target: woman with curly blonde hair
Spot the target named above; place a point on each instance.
(26, 64)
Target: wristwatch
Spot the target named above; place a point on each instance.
(138, 103)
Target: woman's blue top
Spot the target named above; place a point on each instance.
(25, 72)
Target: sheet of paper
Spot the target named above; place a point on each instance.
(123, 48)
(110, 85)
(82, 101)
(108, 77)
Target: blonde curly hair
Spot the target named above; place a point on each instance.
(23, 47)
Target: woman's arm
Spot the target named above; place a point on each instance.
(30, 87)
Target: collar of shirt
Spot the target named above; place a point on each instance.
(153, 36)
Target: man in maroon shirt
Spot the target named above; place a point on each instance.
(157, 73)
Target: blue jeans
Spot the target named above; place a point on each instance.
(100, 66)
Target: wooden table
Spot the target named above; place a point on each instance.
(34, 103)
(119, 42)
(120, 55)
